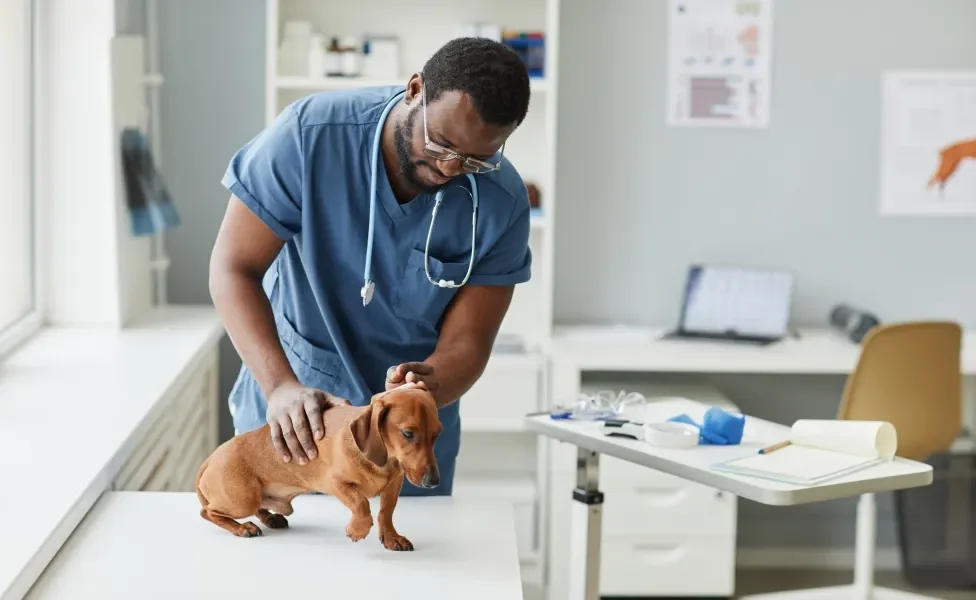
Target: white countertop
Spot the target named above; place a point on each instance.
(622, 348)
(694, 464)
(155, 545)
(71, 403)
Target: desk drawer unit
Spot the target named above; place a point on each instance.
(663, 535)
(662, 565)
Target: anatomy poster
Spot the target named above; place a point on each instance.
(719, 62)
(928, 143)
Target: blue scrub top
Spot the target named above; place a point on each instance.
(307, 177)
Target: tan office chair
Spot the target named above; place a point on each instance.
(908, 374)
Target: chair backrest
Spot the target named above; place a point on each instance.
(909, 375)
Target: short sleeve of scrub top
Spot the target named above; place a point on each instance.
(509, 262)
(266, 174)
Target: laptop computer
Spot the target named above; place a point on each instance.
(735, 304)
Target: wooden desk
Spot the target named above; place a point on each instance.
(155, 545)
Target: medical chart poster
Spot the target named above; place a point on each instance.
(928, 143)
(719, 62)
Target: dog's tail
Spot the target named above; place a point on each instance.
(203, 499)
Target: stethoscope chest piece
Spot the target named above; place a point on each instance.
(367, 292)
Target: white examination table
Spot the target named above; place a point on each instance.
(692, 464)
(155, 545)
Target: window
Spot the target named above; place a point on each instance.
(18, 298)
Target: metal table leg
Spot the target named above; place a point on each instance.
(587, 513)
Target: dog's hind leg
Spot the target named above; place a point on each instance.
(242, 503)
(246, 529)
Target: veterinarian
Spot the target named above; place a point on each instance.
(331, 281)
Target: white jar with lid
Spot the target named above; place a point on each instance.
(316, 56)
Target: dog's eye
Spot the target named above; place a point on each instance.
(407, 434)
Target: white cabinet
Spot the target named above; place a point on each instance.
(508, 390)
(664, 536)
(177, 437)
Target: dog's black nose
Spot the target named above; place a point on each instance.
(431, 479)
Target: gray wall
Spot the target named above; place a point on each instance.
(212, 102)
(639, 201)
(804, 191)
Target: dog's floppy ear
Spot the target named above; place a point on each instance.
(360, 428)
(379, 407)
(367, 431)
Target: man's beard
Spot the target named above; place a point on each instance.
(401, 140)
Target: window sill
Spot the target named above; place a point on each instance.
(72, 401)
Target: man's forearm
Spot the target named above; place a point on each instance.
(246, 312)
(457, 366)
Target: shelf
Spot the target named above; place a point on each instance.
(343, 83)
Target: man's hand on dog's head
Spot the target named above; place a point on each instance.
(295, 416)
(412, 372)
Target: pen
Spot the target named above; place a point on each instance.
(774, 447)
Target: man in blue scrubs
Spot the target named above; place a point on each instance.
(287, 268)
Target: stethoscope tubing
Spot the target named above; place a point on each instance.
(368, 284)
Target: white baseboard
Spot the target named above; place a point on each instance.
(885, 559)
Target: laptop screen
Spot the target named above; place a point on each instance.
(746, 301)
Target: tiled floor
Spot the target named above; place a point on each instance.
(749, 581)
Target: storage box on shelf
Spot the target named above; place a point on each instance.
(661, 535)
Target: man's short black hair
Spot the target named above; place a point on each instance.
(490, 72)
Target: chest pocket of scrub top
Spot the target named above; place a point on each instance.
(419, 299)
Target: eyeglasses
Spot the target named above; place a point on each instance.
(438, 152)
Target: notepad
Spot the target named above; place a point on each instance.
(820, 450)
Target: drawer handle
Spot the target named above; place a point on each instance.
(660, 555)
(662, 496)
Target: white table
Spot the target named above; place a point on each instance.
(694, 465)
(155, 545)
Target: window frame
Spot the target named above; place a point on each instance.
(21, 330)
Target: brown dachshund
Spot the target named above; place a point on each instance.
(365, 452)
(949, 159)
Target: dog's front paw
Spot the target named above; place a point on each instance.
(357, 529)
(392, 540)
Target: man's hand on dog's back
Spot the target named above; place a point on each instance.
(295, 417)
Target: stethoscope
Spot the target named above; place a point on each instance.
(369, 286)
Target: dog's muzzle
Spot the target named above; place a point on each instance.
(432, 478)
